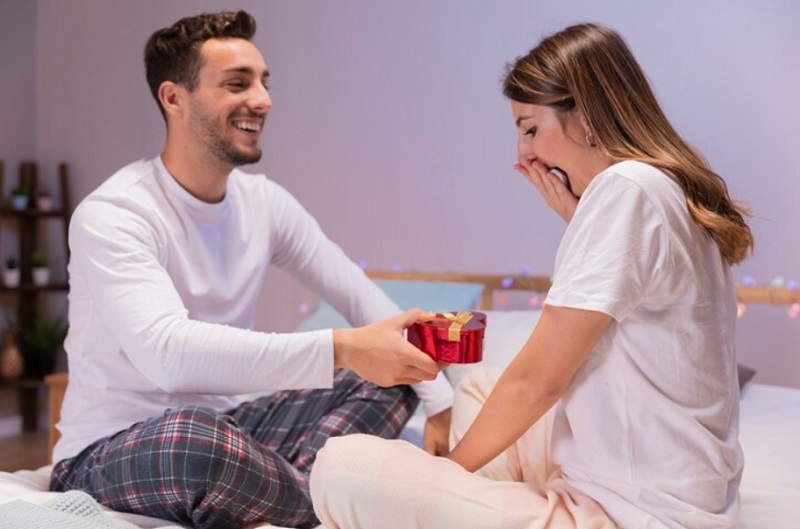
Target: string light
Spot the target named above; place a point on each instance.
(535, 301)
(741, 308)
(777, 282)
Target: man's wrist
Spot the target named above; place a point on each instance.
(341, 348)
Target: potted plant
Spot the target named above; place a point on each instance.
(44, 200)
(39, 343)
(11, 273)
(39, 270)
(19, 198)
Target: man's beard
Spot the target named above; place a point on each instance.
(227, 153)
(221, 147)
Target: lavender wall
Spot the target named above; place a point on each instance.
(17, 100)
(17, 81)
(389, 126)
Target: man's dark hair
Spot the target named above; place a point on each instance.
(173, 53)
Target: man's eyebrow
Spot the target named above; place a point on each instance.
(246, 70)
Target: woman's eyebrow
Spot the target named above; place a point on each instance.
(521, 119)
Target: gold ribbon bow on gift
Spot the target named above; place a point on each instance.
(457, 320)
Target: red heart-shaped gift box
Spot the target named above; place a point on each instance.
(451, 337)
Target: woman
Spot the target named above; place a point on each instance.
(621, 410)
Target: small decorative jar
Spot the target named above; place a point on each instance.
(11, 362)
(44, 201)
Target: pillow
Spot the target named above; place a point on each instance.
(745, 374)
(434, 296)
(506, 333)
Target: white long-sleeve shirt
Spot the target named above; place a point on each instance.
(163, 292)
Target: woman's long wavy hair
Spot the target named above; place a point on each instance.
(589, 67)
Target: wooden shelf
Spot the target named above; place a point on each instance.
(29, 225)
(29, 287)
(28, 228)
(37, 213)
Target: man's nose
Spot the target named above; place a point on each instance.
(261, 101)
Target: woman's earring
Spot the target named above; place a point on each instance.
(589, 141)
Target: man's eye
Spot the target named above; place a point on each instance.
(236, 84)
(531, 132)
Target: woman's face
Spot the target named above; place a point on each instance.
(557, 140)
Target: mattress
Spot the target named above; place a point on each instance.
(769, 433)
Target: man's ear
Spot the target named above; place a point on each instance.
(171, 97)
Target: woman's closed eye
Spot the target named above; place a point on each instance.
(531, 132)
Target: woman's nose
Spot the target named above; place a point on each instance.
(524, 149)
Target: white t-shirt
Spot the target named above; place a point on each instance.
(649, 425)
(163, 290)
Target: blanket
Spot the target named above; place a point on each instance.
(72, 510)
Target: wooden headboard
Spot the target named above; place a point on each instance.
(496, 283)
(493, 283)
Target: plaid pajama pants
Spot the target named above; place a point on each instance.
(200, 467)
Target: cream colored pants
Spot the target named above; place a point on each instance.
(362, 482)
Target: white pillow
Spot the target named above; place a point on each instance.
(506, 332)
(434, 296)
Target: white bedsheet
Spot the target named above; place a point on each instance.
(769, 431)
(31, 486)
(770, 435)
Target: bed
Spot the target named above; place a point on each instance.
(770, 415)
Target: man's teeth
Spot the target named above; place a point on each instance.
(255, 127)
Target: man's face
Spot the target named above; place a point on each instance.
(229, 105)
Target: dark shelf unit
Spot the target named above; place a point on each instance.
(28, 223)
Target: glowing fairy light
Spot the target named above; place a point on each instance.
(778, 282)
(362, 265)
(535, 301)
(502, 299)
(303, 308)
(397, 268)
(794, 310)
(525, 272)
(507, 282)
(741, 308)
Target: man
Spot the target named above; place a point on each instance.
(168, 258)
